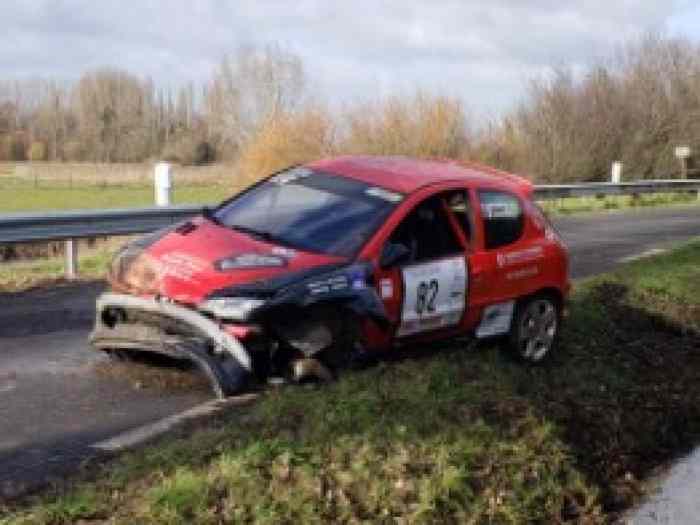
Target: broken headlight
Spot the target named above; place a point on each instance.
(232, 308)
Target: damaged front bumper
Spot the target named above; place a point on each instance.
(158, 325)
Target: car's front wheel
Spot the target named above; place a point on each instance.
(535, 328)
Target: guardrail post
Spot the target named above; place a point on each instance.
(71, 258)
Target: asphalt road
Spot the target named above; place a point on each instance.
(55, 403)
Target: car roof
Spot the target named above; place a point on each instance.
(406, 175)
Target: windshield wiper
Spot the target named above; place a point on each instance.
(264, 235)
(260, 234)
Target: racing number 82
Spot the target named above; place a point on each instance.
(425, 296)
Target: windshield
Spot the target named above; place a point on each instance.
(310, 211)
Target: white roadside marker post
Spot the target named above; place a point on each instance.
(683, 153)
(71, 248)
(616, 172)
(616, 176)
(162, 184)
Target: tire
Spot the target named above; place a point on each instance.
(535, 329)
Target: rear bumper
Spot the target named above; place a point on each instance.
(213, 349)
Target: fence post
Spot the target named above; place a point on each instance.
(71, 258)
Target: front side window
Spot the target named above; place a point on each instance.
(310, 211)
(503, 218)
(427, 232)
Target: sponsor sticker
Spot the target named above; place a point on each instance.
(496, 319)
(386, 288)
(328, 285)
(524, 273)
(519, 256)
(381, 193)
(292, 175)
(178, 265)
(287, 253)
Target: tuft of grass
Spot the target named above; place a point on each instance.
(179, 498)
(445, 433)
(82, 504)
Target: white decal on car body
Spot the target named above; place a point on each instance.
(496, 319)
(386, 288)
(523, 273)
(434, 295)
(520, 256)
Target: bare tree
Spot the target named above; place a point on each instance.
(248, 89)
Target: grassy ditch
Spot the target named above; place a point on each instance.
(441, 434)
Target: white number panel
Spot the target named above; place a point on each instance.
(434, 295)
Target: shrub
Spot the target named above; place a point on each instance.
(12, 147)
(36, 151)
(286, 139)
(419, 126)
(188, 149)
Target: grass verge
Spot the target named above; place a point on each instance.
(616, 202)
(441, 434)
(25, 198)
(23, 275)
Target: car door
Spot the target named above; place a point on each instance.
(506, 261)
(426, 290)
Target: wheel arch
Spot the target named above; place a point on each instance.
(547, 291)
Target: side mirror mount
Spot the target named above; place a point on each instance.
(394, 254)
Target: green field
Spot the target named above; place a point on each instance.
(439, 434)
(56, 186)
(19, 197)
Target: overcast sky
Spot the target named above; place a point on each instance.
(483, 51)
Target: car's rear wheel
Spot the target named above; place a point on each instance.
(535, 328)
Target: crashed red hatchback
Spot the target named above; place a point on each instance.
(323, 264)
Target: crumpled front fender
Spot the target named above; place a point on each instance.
(227, 375)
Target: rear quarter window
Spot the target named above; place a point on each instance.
(503, 217)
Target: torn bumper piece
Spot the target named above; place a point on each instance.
(223, 359)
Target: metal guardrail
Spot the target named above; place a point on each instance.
(89, 223)
(594, 189)
(70, 226)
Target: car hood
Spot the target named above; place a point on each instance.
(181, 262)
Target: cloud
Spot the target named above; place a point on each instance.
(481, 51)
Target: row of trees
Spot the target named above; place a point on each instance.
(107, 116)
(110, 115)
(256, 109)
(635, 106)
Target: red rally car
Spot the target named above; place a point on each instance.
(322, 264)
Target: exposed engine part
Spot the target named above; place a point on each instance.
(308, 337)
(309, 368)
